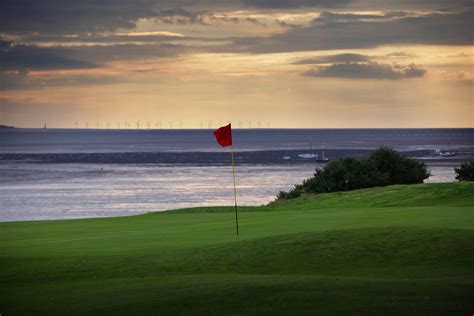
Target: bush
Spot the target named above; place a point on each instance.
(384, 167)
(465, 172)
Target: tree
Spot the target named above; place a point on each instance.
(465, 172)
(384, 167)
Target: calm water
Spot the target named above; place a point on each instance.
(32, 190)
(72, 140)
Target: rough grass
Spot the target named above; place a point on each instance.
(384, 251)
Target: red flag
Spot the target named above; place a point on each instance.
(224, 135)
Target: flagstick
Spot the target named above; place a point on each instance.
(235, 191)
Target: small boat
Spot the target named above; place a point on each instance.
(446, 153)
(308, 156)
(286, 157)
(323, 158)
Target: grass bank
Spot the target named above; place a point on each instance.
(394, 250)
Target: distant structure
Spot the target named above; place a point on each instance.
(209, 124)
(76, 124)
(268, 124)
(108, 125)
(44, 127)
(148, 124)
(97, 124)
(250, 124)
(138, 124)
(259, 124)
(171, 124)
(240, 124)
(87, 124)
(118, 125)
(180, 125)
(202, 124)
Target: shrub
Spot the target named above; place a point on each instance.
(397, 168)
(384, 167)
(465, 172)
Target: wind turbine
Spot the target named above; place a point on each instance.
(138, 124)
(76, 123)
(148, 124)
(108, 125)
(87, 124)
(118, 125)
(240, 124)
(209, 124)
(98, 125)
(259, 124)
(180, 124)
(171, 124)
(250, 124)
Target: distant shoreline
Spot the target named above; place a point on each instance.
(216, 158)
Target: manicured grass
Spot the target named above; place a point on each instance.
(385, 251)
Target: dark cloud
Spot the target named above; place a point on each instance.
(181, 16)
(52, 16)
(22, 81)
(331, 17)
(454, 28)
(286, 24)
(117, 52)
(72, 17)
(21, 57)
(368, 70)
(339, 58)
(287, 4)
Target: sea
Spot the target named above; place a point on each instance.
(48, 174)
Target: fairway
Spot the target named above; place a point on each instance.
(397, 250)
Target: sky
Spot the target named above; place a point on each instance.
(255, 63)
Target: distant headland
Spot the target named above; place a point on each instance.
(5, 126)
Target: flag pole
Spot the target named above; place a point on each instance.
(235, 191)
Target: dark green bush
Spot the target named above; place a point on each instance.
(384, 167)
(465, 172)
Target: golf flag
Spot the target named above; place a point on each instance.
(224, 135)
(224, 138)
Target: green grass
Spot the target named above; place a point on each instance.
(399, 250)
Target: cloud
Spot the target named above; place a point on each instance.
(21, 57)
(339, 58)
(453, 28)
(73, 17)
(50, 16)
(181, 16)
(331, 17)
(15, 57)
(288, 4)
(23, 81)
(367, 70)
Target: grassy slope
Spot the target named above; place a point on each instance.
(393, 250)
